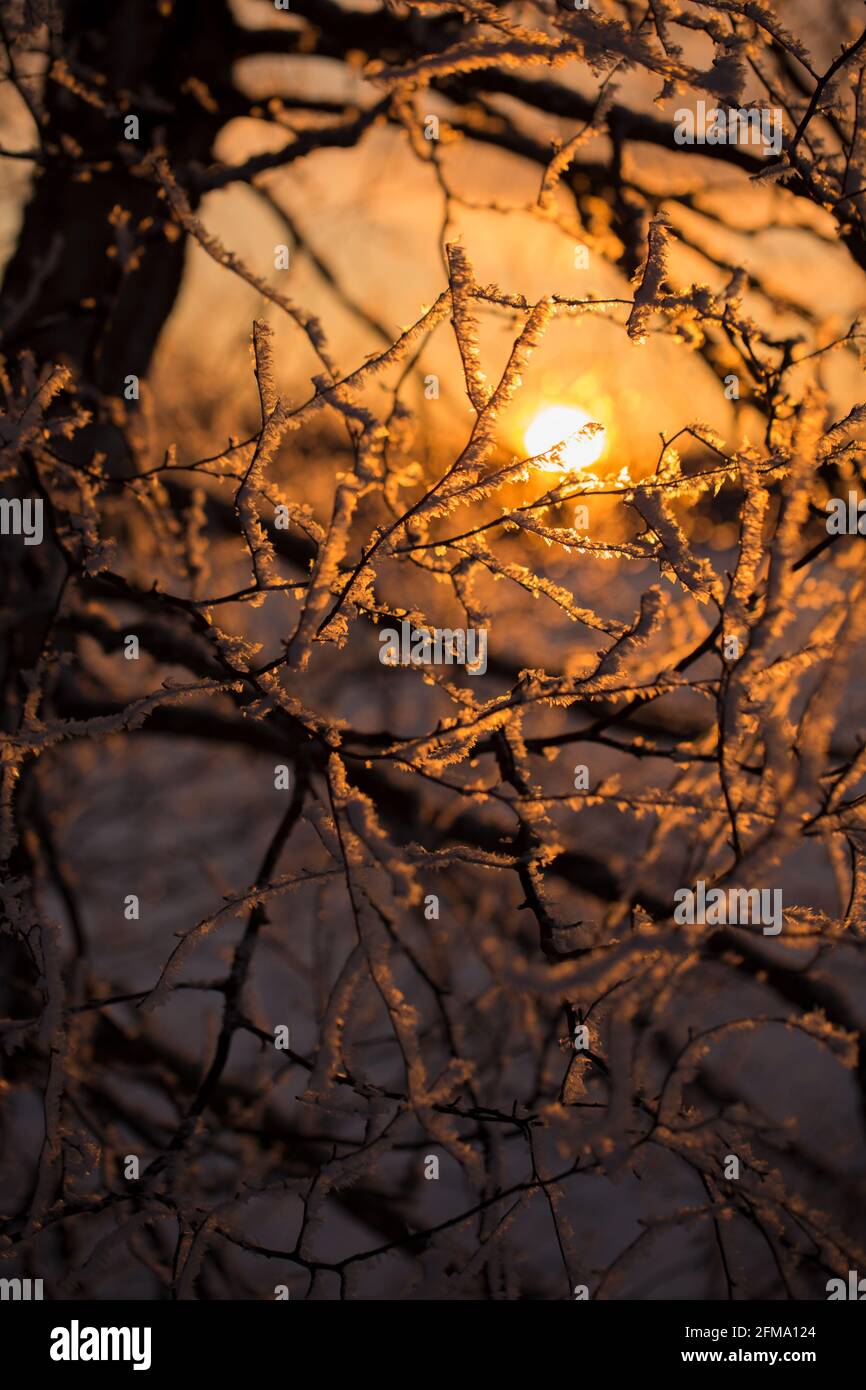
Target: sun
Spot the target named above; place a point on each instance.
(557, 423)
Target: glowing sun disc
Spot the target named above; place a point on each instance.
(553, 425)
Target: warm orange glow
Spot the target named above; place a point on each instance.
(561, 424)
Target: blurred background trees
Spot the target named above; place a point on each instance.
(437, 226)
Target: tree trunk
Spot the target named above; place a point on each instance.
(66, 291)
